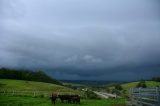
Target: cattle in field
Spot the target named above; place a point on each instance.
(69, 98)
(53, 98)
(63, 98)
(76, 99)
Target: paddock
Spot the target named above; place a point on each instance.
(144, 96)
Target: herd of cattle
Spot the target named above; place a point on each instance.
(66, 98)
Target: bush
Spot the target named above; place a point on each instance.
(91, 95)
(41, 96)
(141, 84)
(115, 91)
(157, 79)
(118, 87)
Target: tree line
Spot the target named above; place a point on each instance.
(18, 74)
(157, 79)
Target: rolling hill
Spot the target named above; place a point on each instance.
(30, 87)
(21, 74)
(127, 86)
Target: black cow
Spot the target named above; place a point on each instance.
(64, 98)
(69, 98)
(76, 99)
(53, 98)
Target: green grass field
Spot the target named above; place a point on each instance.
(29, 87)
(8, 98)
(27, 97)
(127, 86)
(133, 84)
(30, 101)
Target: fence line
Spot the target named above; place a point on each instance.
(32, 93)
(145, 96)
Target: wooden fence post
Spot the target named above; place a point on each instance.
(131, 96)
(4, 92)
(140, 96)
(158, 95)
(34, 94)
(13, 92)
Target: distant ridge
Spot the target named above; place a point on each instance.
(18, 74)
(91, 82)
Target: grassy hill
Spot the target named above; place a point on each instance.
(21, 74)
(29, 93)
(127, 86)
(29, 87)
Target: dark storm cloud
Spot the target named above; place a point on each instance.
(82, 39)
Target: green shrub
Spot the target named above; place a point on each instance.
(157, 79)
(91, 95)
(41, 96)
(115, 91)
(141, 84)
(118, 87)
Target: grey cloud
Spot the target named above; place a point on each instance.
(82, 39)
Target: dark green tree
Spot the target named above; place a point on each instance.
(118, 87)
(26, 75)
(157, 79)
(141, 84)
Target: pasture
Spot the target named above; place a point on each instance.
(30, 85)
(127, 86)
(31, 101)
(145, 96)
(30, 93)
(31, 88)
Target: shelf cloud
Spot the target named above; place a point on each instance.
(82, 39)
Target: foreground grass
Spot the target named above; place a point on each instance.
(30, 101)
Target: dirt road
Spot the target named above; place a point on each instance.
(105, 95)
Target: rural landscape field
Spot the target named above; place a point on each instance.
(15, 91)
(28, 101)
(79, 53)
(30, 93)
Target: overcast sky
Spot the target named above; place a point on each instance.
(82, 39)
